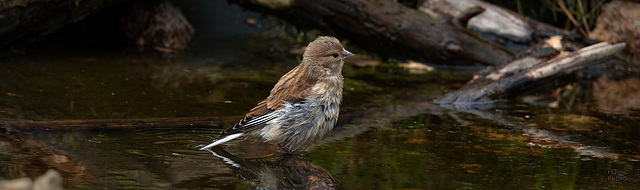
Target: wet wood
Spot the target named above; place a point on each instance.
(495, 23)
(33, 18)
(391, 28)
(487, 87)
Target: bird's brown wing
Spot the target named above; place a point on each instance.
(290, 88)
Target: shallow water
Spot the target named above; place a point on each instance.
(390, 134)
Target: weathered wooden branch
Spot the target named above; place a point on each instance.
(385, 26)
(490, 86)
(495, 23)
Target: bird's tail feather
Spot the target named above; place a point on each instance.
(223, 140)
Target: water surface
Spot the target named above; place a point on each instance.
(390, 134)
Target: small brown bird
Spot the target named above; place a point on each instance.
(304, 104)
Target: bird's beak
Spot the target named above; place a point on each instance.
(347, 54)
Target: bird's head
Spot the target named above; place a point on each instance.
(326, 51)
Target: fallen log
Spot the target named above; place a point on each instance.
(495, 23)
(391, 28)
(487, 87)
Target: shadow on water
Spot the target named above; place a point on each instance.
(115, 104)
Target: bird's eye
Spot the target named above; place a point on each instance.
(335, 55)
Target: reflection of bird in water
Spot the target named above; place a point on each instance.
(288, 172)
(303, 105)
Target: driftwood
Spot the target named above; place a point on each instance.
(530, 67)
(385, 26)
(495, 23)
(33, 18)
(487, 87)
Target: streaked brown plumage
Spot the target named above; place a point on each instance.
(304, 104)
